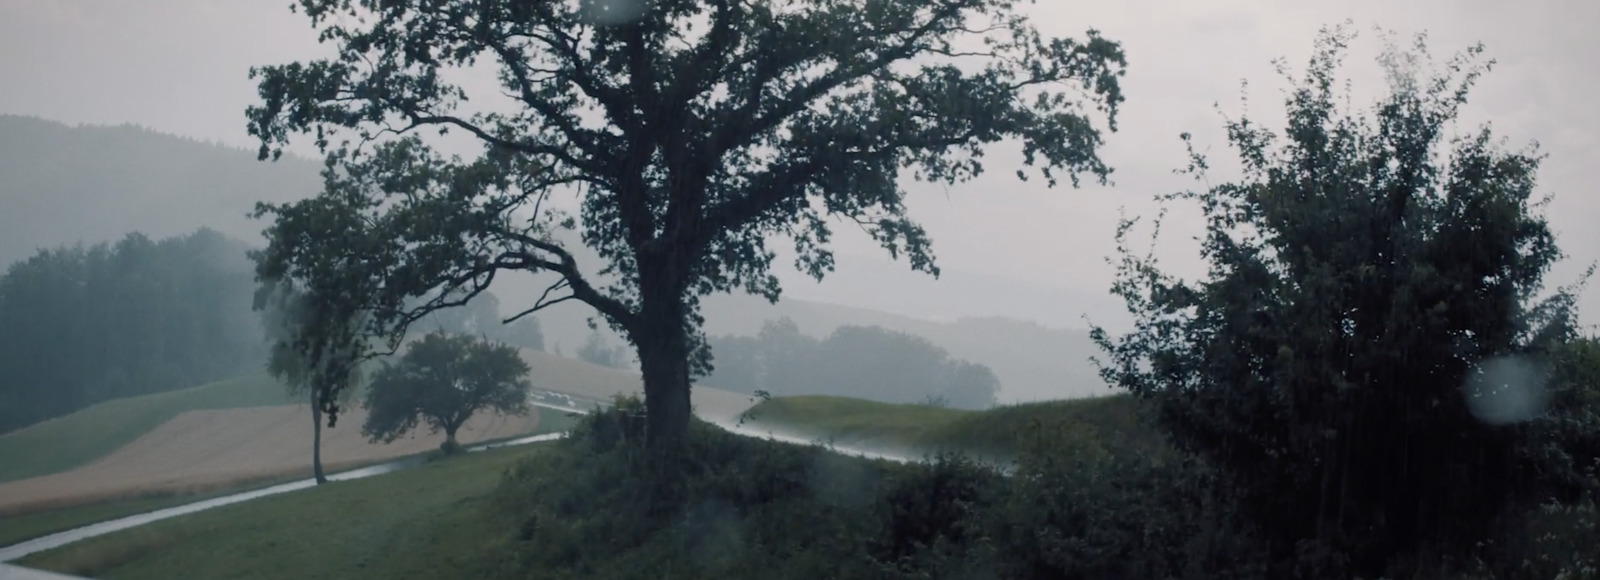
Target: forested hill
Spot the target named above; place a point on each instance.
(84, 324)
(61, 185)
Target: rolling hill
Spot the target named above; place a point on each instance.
(61, 185)
(72, 440)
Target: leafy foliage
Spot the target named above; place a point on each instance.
(314, 356)
(1563, 442)
(859, 361)
(999, 434)
(442, 381)
(289, 316)
(1361, 273)
(692, 131)
(89, 324)
(316, 338)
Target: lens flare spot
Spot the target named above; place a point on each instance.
(1505, 390)
(613, 12)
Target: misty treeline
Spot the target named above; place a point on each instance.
(84, 324)
(867, 362)
(90, 323)
(481, 318)
(595, 350)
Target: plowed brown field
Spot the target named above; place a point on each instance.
(201, 450)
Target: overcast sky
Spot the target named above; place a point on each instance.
(179, 66)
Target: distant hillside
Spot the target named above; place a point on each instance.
(870, 279)
(60, 185)
(1033, 362)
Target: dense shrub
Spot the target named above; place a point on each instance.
(598, 506)
(1078, 503)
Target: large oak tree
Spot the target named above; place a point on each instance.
(690, 132)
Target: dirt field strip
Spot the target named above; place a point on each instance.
(209, 449)
(202, 450)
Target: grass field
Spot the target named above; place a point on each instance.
(746, 505)
(427, 522)
(23, 527)
(91, 433)
(16, 528)
(997, 433)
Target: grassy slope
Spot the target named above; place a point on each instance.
(747, 508)
(89, 434)
(358, 529)
(996, 433)
(86, 435)
(426, 522)
(26, 526)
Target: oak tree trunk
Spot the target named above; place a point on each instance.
(662, 338)
(664, 362)
(450, 446)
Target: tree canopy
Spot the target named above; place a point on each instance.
(442, 381)
(1364, 271)
(688, 132)
(317, 335)
(314, 357)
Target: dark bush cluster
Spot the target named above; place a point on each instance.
(1075, 505)
(732, 507)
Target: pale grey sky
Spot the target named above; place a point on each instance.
(179, 66)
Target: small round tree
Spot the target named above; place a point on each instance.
(443, 380)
